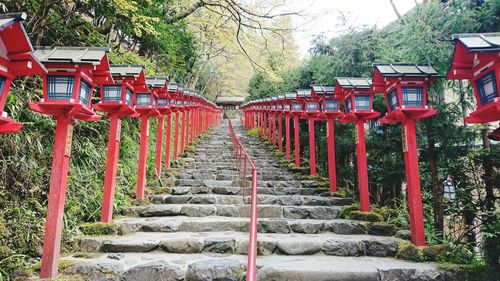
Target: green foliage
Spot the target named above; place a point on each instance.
(253, 132)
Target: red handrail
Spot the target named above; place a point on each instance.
(242, 159)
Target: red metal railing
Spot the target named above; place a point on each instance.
(242, 159)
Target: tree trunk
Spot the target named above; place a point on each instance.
(437, 191)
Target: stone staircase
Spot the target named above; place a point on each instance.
(198, 229)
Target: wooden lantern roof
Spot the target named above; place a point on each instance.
(473, 50)
(16, 47)
(385, 73)
(323, 89)
(93, 59)
(157, 82)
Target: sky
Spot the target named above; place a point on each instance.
(324, 17)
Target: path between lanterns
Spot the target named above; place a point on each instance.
(198, 229)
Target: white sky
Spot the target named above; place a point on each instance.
(323, 17)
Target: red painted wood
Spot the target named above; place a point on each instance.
(413, 183)
(111, 168)
(280, 132)
(297, 141)
(287, 136)
(176, 135)
(159, 145)
(183, 132)
(312, 148)
(364, 194)
(57, 195)
(143, 156)
(273, 132)
(332, 170)
(168, 134)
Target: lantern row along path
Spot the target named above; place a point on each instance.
(198, 229)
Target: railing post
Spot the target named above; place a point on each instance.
(252, 243)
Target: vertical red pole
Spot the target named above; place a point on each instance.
(364, 194)
(296, 139)
(312, 148)
(183, 131)
(413, 183)
(287, 136)
(176, 135)
(143, 156)
(57, 194)
(168, 141)
(274, 129)
(159, 145)
(280, 132)
(264, 125)
(111, 167)
(332, 171)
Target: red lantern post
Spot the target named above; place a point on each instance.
(146, 102)
(279, 110)
(405, 90)
(287, 109)
(476, 59)
(329, 111)
(311, 112)
(182, 104)
(67, 91)
(159, 87)
(358, 104)
(117, 102)
(17, 59)
(175, 105)
(274, 111)
(296, 112)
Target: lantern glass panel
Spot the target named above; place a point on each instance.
(297, 106)
(155, 101)
(312, 106)
(60, 87)
(112, 92)
(362, 102)
(412, 96)
(143, 99)
(172, 101)
(179, 103)
(332, 105)
(487, 87)
(392, 99)
(162, 102)
(286, 107)
(348, 103)
(128, 96)
(84, 95)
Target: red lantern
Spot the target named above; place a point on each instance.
(159, 87)
(476, 58)
(405, 90)
(17, 59)
(67, 92)
(117, 100)
(358, 105)
(287, 111)
(329, 110)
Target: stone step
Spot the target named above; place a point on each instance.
(235, 183)
(239, 224)
(264, 211)
(157, 266)
(182, 190)
(287, 200)
(237, 243)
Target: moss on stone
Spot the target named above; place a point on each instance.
(87, 255)
(348, 209)
(98, 228)
(408, 251)
(431, 252)
(381, 229)
(366, 216)
(4, 252)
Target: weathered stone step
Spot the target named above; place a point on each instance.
(264, 211)
(238, 224)
(287, 200)
(237, 243)
(196, 267)
(235, 183)
(182, 190)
